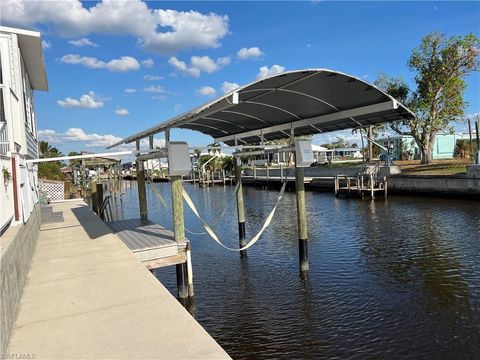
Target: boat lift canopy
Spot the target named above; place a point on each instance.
(302, 102)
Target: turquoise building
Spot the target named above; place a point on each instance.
(405, 148)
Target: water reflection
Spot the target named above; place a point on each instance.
(389, 279)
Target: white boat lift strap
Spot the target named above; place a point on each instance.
(214, 236)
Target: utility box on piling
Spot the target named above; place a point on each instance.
(303, 153)
(178, 159)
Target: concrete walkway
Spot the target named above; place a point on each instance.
(87, 297)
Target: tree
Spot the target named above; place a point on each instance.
(50, 169)
(74, 162)
(46, 150)
(339, 142)
(441, 66)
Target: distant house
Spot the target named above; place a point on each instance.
(320, 153)
(344, 153)
(22, 72)
(405, 147)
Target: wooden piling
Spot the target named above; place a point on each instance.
(179, 232)
(240, 208)
(142, 191)
(301, 219)
(84, 180)
(372, 193)
(93, 192)
(99, 198)
(191, 292)
(385, 186)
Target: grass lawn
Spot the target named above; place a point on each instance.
(437, 167)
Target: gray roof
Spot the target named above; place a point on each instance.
(309, 101)
(30, 44)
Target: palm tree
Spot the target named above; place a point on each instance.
(46, 150)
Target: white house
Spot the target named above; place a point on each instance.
(22, 72)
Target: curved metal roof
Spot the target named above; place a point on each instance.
(309, 101)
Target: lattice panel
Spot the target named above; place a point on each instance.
(53, 191)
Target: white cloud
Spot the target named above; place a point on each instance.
(199, 64)
(177, 30)
(46, 44)
(86, 101)
(152, 77)
(82, 42)
(157, 89)
(264, 71)
(229, 86)
(125, 63)
(122, 112)
(148, 63)
(206, 91)
(91, 140)
(249, 53)
(49, 135)
(190, 30)
(130, 91)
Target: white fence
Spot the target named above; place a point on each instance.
(53, 190)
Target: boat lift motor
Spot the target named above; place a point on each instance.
(178, 158)
(303, 153)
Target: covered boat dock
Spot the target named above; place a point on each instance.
(289, 105)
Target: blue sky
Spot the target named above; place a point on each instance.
(117, 68)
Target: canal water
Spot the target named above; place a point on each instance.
(389, 279)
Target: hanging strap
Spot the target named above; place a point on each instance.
(164, 203)
(209, 230)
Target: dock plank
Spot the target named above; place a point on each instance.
(148, 242)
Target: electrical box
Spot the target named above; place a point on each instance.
(303, 153)
(178, 158)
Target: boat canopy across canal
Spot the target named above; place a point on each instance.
(308, 101)
(287, 105)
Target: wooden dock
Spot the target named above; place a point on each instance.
(360, 185)
(273, 179)
(151, 243)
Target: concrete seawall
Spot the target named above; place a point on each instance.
(17, 248)
(438, 185)
(322, 180)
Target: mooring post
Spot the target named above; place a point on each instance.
(93, 192)
(84, 180)
(191, 293)
(179, 232)
(240, 209)
(371, 186)
(142, 191)
(99, 196)
(301, 219)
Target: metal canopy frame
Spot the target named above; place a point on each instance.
(302, 102)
